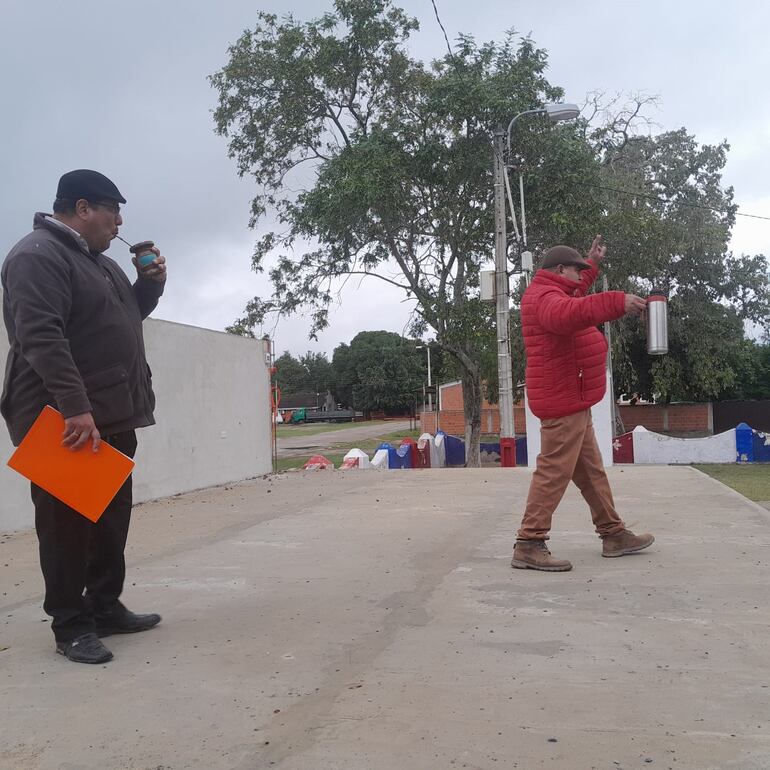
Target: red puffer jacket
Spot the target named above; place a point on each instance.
(566, 353)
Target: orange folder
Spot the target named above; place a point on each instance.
(83, 479)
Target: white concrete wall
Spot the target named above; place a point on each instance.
(15, 504)
(602, 418)
(212, 413)
(656, 449)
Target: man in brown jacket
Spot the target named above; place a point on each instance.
(74, 324)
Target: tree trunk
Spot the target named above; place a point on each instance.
(472, 395)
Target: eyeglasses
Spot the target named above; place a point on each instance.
(113, 207)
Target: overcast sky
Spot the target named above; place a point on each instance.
(122, 88)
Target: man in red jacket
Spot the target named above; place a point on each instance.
(566, 360)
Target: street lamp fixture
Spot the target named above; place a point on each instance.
(556, 113)
(559, 112)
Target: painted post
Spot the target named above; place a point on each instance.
(744, 444)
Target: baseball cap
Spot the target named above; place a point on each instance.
(564, 255)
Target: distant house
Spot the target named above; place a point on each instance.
(307, 400)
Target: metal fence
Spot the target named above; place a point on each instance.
(728, 414)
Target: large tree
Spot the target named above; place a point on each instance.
(667, 220)
(372, 163)
(398, 185)
(290, 375)
(753, 380)
(670, 220)
(379, 371)
(311, 373)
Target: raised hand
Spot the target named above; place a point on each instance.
(598, 250)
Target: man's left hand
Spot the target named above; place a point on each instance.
(598, 250)
(156, 270)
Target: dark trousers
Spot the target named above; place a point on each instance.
(82, 562)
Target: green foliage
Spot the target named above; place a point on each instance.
(243, 327)
(372, 163)
(311, 373)
(379, 370)
(671, 232)
(398, 185)
(674, 235)
(753, 380)
(401, 178)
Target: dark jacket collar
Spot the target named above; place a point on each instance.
(42, 221)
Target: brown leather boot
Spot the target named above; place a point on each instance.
(533, 554)
(625, 542)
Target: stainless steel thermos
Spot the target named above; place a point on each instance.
(657, 323)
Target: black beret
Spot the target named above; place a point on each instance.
(87, 184)
(564, 255)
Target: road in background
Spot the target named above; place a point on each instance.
(294, 446)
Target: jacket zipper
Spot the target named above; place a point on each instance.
(138, 336)
(580, 384)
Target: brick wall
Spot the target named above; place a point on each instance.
(451, 397)
(651, 417)
(661, 418)
(668, 418)
(453, 421)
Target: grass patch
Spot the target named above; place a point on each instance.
(369, 445)
(752, 481)
(336, 452)
(288, 463)
(284, 431)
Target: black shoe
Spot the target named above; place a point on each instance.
(123, 621)
(84, 649)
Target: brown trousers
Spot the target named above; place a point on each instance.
(568, 451)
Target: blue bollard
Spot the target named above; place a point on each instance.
(404, 453)
(521, 452)
(761, 444)
(394, 461)
(744, 444)
(455, 451)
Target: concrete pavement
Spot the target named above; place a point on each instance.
(371, 621)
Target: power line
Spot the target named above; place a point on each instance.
(679, 203)
(438, 19)
(635, 194)
(659, 199)
(446, 37)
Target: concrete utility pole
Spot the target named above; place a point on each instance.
(505, 375)
(426, 346)
(555, 113)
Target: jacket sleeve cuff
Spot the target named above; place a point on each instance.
(147, 294)
(76, 403)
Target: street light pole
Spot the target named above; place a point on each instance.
(555, 113)
(504, 374)
(430, 396)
